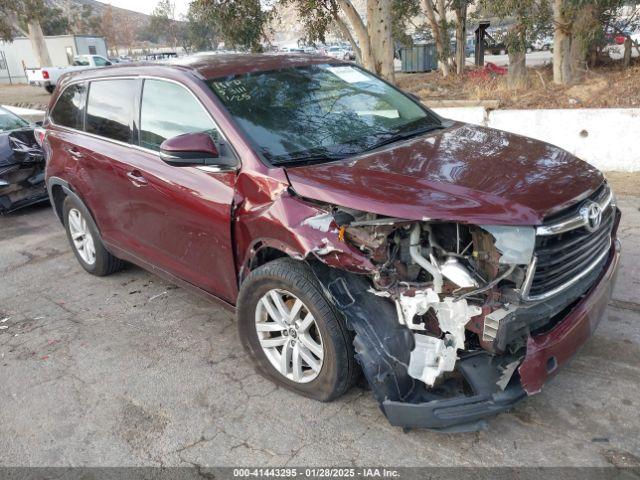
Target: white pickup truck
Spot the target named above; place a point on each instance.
(47, 77)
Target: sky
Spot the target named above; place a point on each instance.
(147, 6)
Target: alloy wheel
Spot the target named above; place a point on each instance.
(81, 236)
(289, 336)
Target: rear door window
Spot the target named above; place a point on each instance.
(167, 110)
(110, 108)
(69, 108)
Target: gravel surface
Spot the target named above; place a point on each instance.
(130, 370)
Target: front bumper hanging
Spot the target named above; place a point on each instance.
(383, 348)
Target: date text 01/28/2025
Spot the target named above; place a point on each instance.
(316, 472)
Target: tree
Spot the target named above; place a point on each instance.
(199, 34)
(580, 27)
(7, 22)
(54, 22)
(109, 29)
(163, 19)
(29, 13)
(126, 29)
(460, 8)
(561, 43)
(84, 21)
(436, 13)
(239, 23)
(371, 35)
(403, 13)
(379, 33)
(528, 15)
(148, 34)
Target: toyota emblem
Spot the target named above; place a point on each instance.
(592, 216)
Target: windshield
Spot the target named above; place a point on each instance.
(319, 112)
(10, 121)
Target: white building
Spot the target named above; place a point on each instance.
(18, 55)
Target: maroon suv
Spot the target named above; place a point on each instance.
(353, 230)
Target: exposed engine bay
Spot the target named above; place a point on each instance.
(444, 278)
(458, 295)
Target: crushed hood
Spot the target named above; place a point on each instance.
(24, 148)
(464, 173)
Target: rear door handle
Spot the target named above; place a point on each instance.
(74, 152)
(137, 178)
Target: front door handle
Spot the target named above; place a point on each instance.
(137, 178)
(74, 152)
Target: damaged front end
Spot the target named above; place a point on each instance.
(444, 321)
(21, 171)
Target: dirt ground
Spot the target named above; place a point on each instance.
(128, 370)
(625, 183)
(24, 96)
(606, 86)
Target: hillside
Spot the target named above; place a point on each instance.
(70, 6)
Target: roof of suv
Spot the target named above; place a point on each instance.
(210, 66)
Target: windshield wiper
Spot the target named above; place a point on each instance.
(402, 136)
(307, 159)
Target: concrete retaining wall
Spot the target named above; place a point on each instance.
(608, 138)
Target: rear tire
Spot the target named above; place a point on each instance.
(292, 281)
(85, 241)
(50, 88)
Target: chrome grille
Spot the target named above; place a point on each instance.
(569, 247)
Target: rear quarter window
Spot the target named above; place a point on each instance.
(69, 109)
(110, 108)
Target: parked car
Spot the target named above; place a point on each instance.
(339, 52)
(500, 48)
(543, 43)
(619, 38)
(349, 55)
(352, 229)
(292, 50)
(470, 46)
(159, 56)
(21, 164)
(48, 77)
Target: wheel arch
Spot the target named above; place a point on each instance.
(263, 251)
(60, 189)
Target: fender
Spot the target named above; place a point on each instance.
(68, 191)
(298, 229)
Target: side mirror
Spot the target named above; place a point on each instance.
(108, 63)
(191, 149)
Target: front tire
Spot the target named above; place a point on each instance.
(293, 333)
(85, 240)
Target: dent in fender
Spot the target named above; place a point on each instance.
(269, 214)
